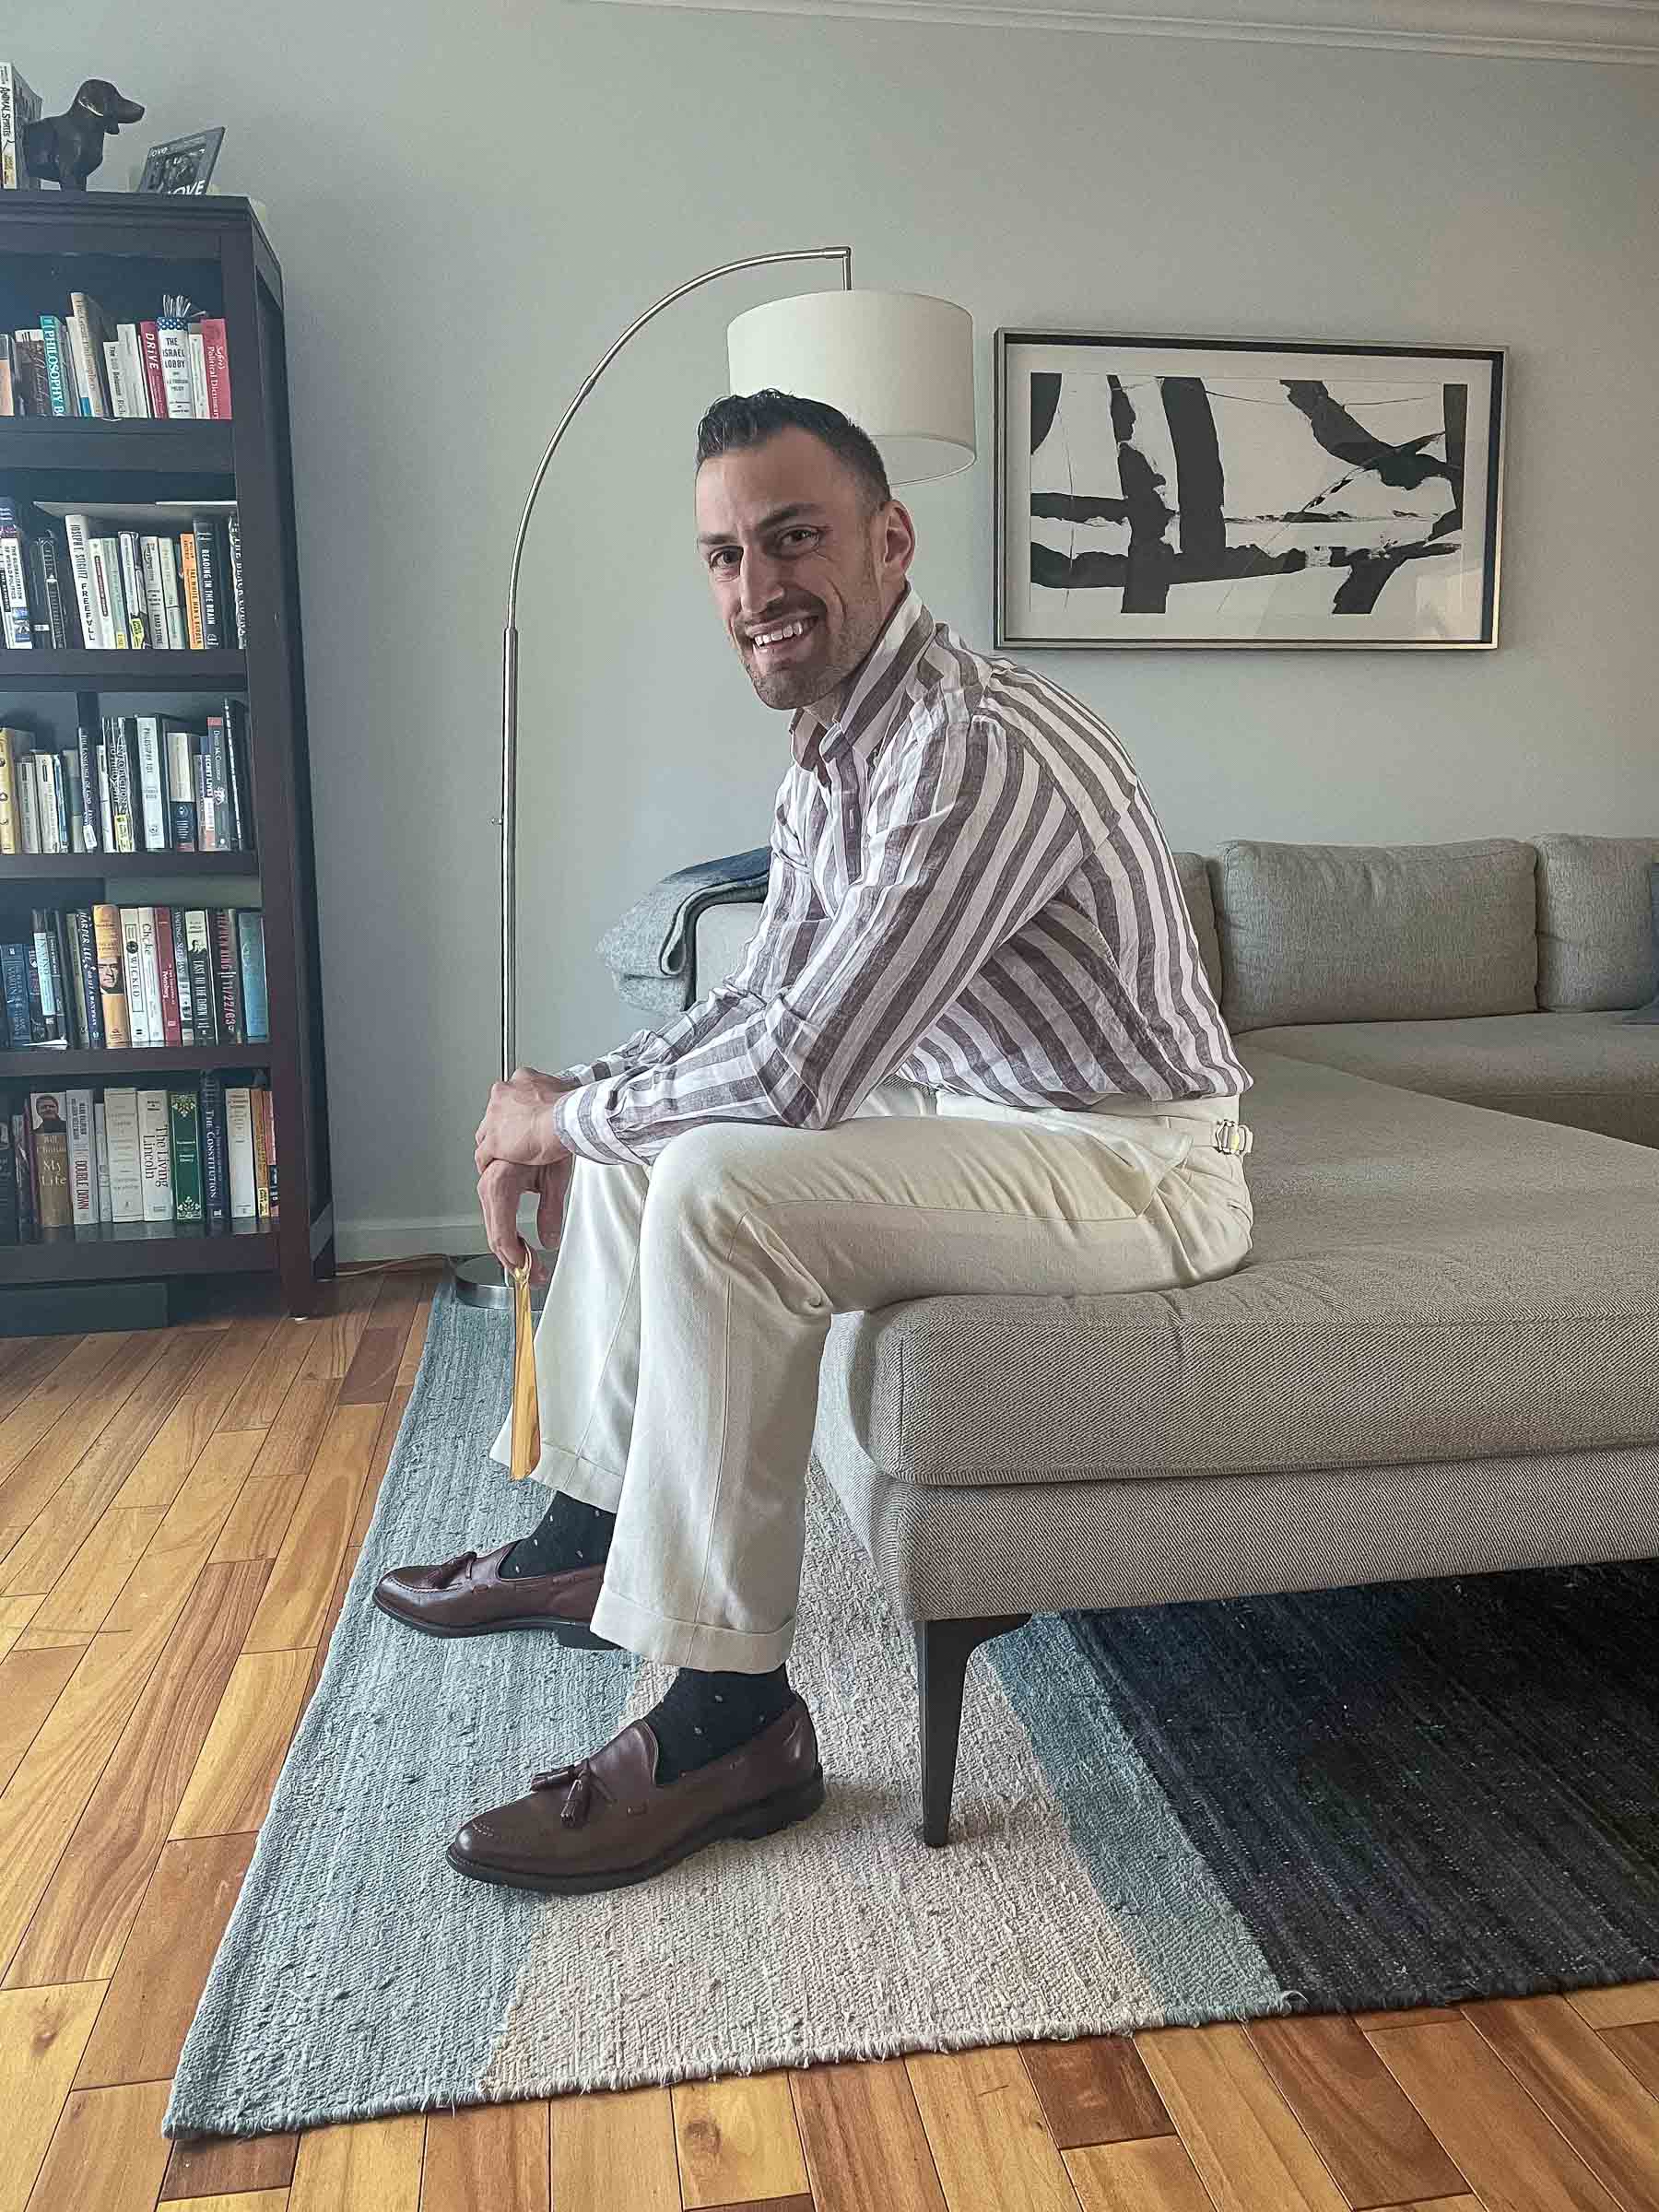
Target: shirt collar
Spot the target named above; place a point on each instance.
(859, 703)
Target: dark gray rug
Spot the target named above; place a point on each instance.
(1334, 1801)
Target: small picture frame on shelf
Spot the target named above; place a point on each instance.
(182, 164)
(1246, 492)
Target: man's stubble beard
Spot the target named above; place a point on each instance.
(791, 688)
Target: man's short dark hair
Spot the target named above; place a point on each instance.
(736, 422)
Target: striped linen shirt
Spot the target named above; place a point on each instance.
(968, 891)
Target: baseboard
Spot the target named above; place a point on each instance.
(458, 1234)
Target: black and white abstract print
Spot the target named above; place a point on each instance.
(1234, 500)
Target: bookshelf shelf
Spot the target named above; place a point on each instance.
(127, 249)
(140, 1248)
(155, 448)
(107, 867)
(152, 671)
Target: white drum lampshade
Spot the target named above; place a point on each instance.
(898, 364)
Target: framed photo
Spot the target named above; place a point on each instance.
(182, 164)
(1227, 491)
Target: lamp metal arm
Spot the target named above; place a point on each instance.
(510, 633)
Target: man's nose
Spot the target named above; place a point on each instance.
(761, 584)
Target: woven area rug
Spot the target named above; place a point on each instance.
(1403, 1796)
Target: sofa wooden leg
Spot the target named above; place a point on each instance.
(943, 1650)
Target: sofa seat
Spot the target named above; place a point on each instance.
(1430, 1282)
(1588, 1070)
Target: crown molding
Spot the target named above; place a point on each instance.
(1550, 30)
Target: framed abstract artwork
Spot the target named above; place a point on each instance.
(1226, 491)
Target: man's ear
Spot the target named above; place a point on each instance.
(898, 543)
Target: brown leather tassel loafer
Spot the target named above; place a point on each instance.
(470, 1597)
(605, 1821)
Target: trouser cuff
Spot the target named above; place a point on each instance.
(693, 1643)
(566, 1471)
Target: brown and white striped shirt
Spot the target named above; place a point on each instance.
(968, 891)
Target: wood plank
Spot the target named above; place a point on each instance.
(738, 2140)
(772, 2204)
(1631, 2001)
(1150, 2175)
(63, 1405)
(157, 1586)
(53, 1538)
(268, 1381)
(390, 1422)
(107, 2152)
(31, 1684)
(230, 2166)
(95, 1577)
(16, 1615)
(332, 1336)
(1405, 2016)
(153, 1998)
(42, 2034)
(295, 1604)
(373, 1374)
(1510, 2155)
(493, 2157)
(47, 1795)
(29, 1361)
(1609, 2119)
(408, 1366)
(1095, 2091)
(862, 2138)
(259, 2200)
(52, 1639)
(188, 1430)
(1239, 2134)
(337, 1601)
(367, 2165)
(615, 2152)
(231, 1784)
(94, 1894)
(1637, 2047)
(986, 2130)
(45, 1463)
(258, 1521)
(1353, 2111)
(402, 1293)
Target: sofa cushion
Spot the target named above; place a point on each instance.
(1375, 933)
(1591, 1071)
(1595, 922)
(1428, 1281)
(1194, 871)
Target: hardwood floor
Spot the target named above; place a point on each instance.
(179, 1513)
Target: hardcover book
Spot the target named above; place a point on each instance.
(185, 1124)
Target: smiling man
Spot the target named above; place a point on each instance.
(972, 1048)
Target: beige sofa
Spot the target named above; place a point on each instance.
(1442, 1354)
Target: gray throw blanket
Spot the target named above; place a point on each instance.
(651, 951)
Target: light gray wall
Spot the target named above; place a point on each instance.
(469, 203)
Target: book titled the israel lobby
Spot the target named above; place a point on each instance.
(1232, 492)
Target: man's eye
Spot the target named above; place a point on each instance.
(717, 559)
(802, 532)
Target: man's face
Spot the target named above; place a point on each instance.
(783, 530)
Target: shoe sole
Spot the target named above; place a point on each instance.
(573, 1634)
(747, 1825)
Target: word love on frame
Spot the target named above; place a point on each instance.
(1220, 491)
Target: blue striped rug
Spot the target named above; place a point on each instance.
(1337, 1801)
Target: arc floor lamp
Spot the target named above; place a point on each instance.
(900, 364)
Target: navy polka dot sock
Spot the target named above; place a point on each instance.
(568, 1535)
(704, 1716)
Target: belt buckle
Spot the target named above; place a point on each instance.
(1233, 1138)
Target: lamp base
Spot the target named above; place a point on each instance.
(481, 1281)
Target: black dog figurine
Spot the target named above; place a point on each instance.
(69, 148)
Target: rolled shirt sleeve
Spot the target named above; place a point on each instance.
(964, 840)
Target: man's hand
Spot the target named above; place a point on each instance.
(515, 1149)
(500, 1187)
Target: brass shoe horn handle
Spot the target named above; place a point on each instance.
(526, 1404)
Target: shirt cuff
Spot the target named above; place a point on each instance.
(583, 1127)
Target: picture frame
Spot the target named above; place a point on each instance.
(1353, 499)
(182, 164)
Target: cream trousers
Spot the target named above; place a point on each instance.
(677, 1352)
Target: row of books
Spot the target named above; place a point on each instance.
(174, 366)
(83, 586)
(19, 106)
(107, 978)
(196, 1155)
(145, 784)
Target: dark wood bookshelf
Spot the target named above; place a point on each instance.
(126, 249)
(151, 671)
(65, 867)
